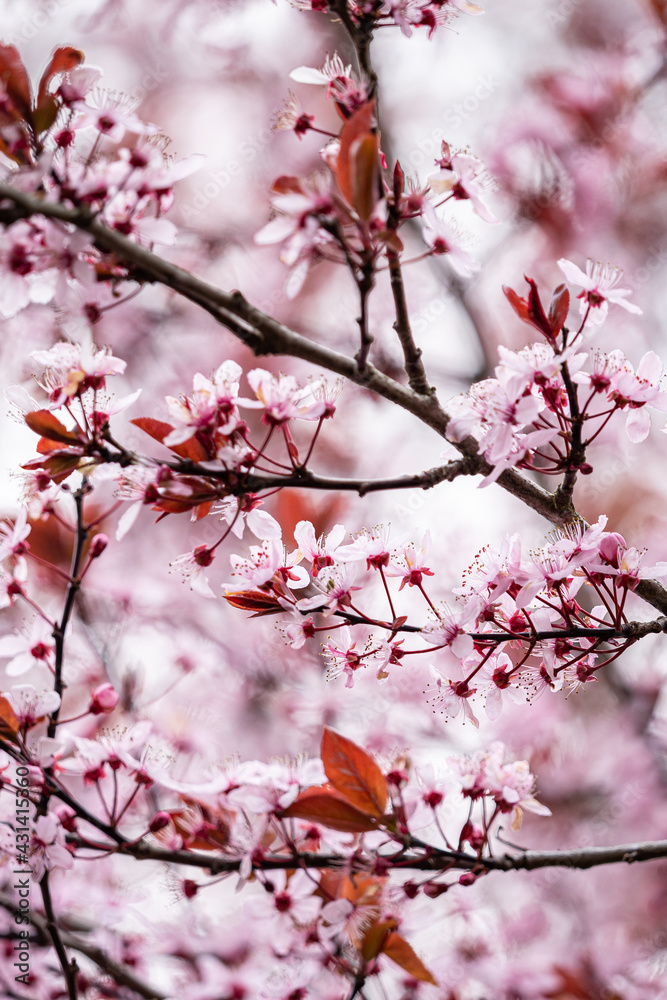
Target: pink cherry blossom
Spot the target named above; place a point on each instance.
(282, 398)
(599, 287)
(320, 552)
(443, 238)
(71, 369)
(47, 847)
(29, 649)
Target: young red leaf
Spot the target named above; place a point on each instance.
(530, 310)
(354, 773)
(286, 184)
(399, 181)
(254, 600)
(61, 465)
(157, 429)
(9, 723)
(45, 115)
(43, 422)
(203, 510)
(63, 60)
(559, 307)
(330, 808)
(375, 937)
(363, 174)
(352, 164)
(15, 82)
(398, 950)
(160, 429)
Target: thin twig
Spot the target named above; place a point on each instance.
(121, 973)
(69, 967)
(431, 859)
(414, 366)
(265, 335)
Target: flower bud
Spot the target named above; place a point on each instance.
(159, 821)
(398, 777)
(98, 545)
(103, 699)
(435, 889)
(67, 817)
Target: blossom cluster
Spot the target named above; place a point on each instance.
(260, 819)
(517, 627)
(404, 14)
(351, 213)
(528, 415)
(83, 147)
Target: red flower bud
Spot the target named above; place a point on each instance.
(189, 888)
(159, 821)
(103, 699)
(98, 545)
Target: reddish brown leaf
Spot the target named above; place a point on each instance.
(59, 466)
(254, 600)
(45, 115)
(363, 174)
(63, 60)
(362, 891)
(375, 937)
(559, 307)
(43, 422)
(530, 309)
(391, 239)
(286, 184)
(159, 430)
(203, 510)
(399, 181)
(659, 8)
(15, 80)
(9, 723)
(330, 808)
(354, 773)
(348, 174)
(398, 950)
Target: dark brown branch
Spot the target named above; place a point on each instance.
(365, 286)
(303, 479)
(265, 335)
(69, 967)
(577, 452)
(121, 973)
(432, 859)
(414, 366)
(631, 630)
(72, 590)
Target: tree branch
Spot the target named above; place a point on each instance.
(264, 335)
(303, 479)
(432, 859)
(69, 967)
(122, 975)
(414, 366)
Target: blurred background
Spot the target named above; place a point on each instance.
(565, 103)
